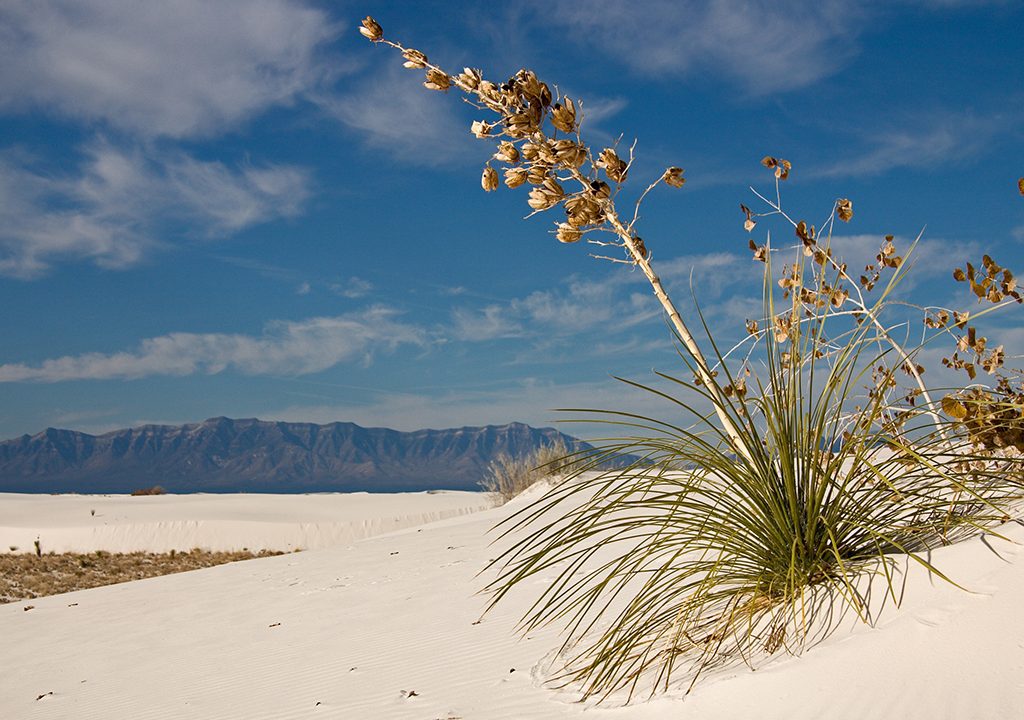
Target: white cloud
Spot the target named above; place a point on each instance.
(765, 47)
(176, 69)
(393, 112)
(106, 211)
(921, 143)
(609, 305)
(356, 287)
(488, 323)
(289, 348)
(530, 401)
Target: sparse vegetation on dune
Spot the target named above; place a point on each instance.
(26, 576)
(794, 465)
(508, 476)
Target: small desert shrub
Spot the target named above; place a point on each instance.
(796, 465)
(155, 490)
(24, 577)
(508, 476)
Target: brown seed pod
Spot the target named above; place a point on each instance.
(567, 233)
(674, 177)
(469, 79)
(507, 153)
(514, 177)
(371, 30)
(480, 129)
(540, 200)
(489, 180)
(414, 59)
(600, 189)
(437, 80)
(844, 209)
(613, 166)
(563, 116)
(537, 173)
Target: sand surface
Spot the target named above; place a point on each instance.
(388, 627)
(160, 523)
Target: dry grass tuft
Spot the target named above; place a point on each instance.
(508, 476)
(155, 490)
(25, 576)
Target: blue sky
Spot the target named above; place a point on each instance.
(243, 208)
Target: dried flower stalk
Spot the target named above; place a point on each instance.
(539, 140)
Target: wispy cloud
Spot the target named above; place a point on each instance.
(528, 400)
(173, 69)
(609, 305)
(488, 323)
(354, 287)
(391, 111)
(763, 47)
(920, 142)
(106, 211)
(289, 348)
(580, 306)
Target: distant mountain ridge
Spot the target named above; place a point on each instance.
(249, 455)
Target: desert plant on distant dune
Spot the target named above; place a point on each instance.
(796, 463)
(508, 475)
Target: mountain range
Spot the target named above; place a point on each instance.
(226, 455)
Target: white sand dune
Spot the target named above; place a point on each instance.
(387, 627)
(160, 523)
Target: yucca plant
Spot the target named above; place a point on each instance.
(796, 467)
(695, 557)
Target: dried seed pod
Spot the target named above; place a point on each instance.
(520, 125)
(781, 167)
(537, 174)
(638, 242)
(582, 210)
(613, 166)
(546, 151)
(844, 209)
(437, 80)
(760, 251)
(414, 59)
(566, 152)
(469, 79)
(371, 30)
(514, 177)
(489, 180)
(552, 188)
(567, 233)
(531, 151)
(674, 177)
(490, 95)
(527, 82)
(480, 129)
(507, 153)
(545, 100)
(749, 223)
(600, 189)
(540, 200)
(563, 116)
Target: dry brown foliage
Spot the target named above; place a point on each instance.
(508, 476)
(25, 576)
